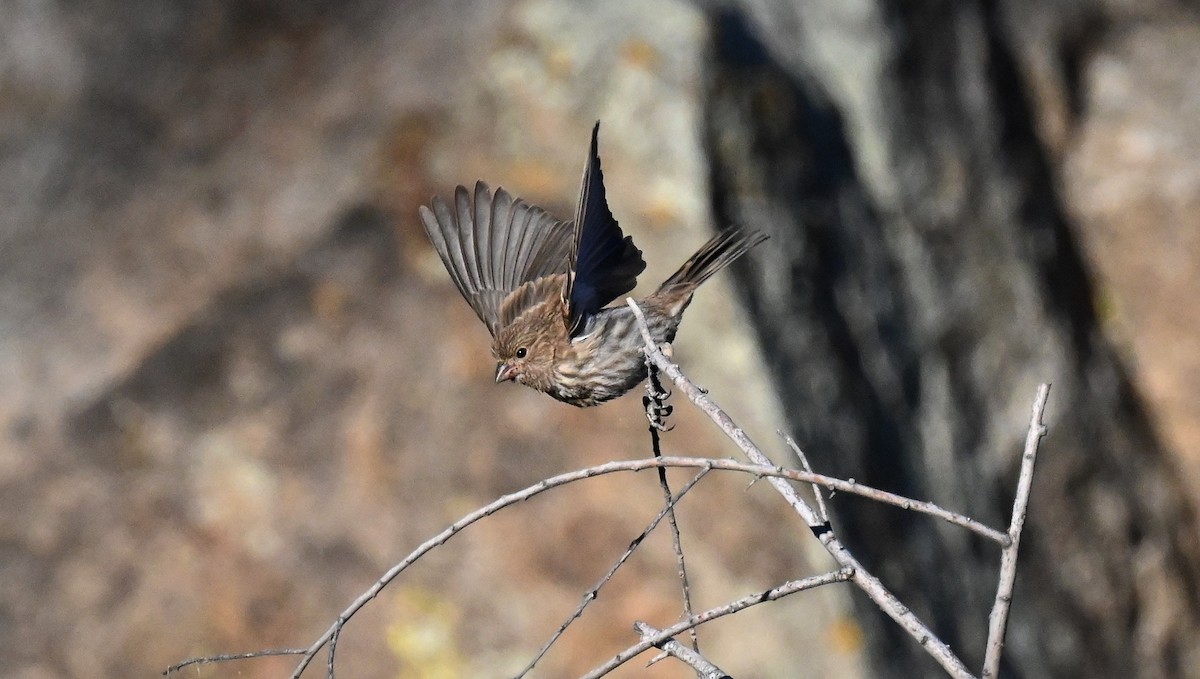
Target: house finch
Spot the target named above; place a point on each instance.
(541, 286)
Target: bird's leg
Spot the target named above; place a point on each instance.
(657, 410)
(654, 386)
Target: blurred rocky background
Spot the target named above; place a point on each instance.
(236, 384)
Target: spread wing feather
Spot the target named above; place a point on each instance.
(604, 261)
(493, 245)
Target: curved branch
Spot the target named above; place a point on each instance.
(265, 653)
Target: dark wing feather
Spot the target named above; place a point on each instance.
(495, 244)
(604, 261)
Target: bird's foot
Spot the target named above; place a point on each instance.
(657, 391)
(659, 424)
(657, 413)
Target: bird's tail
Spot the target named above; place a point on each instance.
(719, 252)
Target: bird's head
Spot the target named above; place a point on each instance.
(525, 353)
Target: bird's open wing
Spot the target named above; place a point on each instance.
(604, 261)
(494, 244)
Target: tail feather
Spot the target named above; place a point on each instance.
(719, 252)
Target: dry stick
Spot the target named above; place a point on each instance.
(595, 591)
(786, 589)
(767, 471)
(998, 619)
(656, 412)
(871, 585)
(333, 639)
(704, 668)
(853, 487)
(808, 468)
(235, 656)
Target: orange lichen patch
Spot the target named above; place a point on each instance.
(846, 636)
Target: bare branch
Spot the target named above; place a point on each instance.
(333, 640)
(234, 656)
(849, 486)
(871, 585)
(998, 619)
(773, 594)
(852, 487)
(704, 668)
(808, 468)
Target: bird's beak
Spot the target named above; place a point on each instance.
(505, 372)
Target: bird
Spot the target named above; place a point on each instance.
(542, 286)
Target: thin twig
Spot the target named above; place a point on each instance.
(444, 536)
(772, 594)
(704, 668)
(852, 487)
(871, 585)
(595, 591)
(998, 619)
(333, 640)
(265, 653)
(808, 468)
(657, 411)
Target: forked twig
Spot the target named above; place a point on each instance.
(808, 468)
(333, 640)
(704, 667)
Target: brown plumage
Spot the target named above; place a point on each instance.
(541, 286)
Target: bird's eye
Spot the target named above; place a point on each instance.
(521, 352)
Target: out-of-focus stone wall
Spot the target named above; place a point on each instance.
(236, 384)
